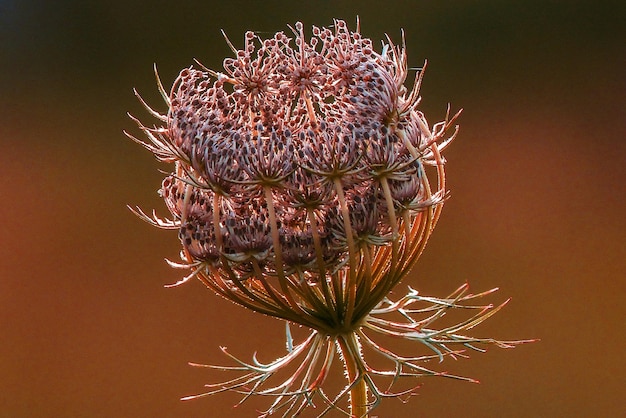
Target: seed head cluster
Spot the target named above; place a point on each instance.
(301, 189)
(299, 186)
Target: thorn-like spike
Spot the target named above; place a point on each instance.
(228, 42)
(153, 112)
(160, 87)
(211, 72)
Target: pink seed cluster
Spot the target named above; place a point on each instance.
(298, 163)
(301, 189)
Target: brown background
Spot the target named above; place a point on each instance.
(537, 178)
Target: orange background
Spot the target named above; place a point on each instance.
(538, 203)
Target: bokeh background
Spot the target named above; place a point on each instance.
(538, 204)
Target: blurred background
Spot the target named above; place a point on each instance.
(536, 175)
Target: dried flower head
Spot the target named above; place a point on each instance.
(305, 185)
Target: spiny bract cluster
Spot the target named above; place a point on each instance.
(300, 163)
(301, 190)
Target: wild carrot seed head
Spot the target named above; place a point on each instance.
(299, 187)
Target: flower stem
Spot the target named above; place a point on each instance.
(350, 350)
